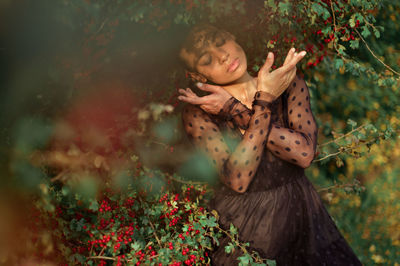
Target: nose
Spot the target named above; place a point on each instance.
(222, 56)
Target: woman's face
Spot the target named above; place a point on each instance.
(219, 59)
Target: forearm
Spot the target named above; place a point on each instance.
(296, 143)
(241, 166)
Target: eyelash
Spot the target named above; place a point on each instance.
(208, 61)
(219, 42)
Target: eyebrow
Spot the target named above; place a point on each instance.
(209, 37)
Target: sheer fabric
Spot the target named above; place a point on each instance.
(237, 167)
(264, 191)
(296, 143)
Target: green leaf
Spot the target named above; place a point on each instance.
(270, 4)
(232, 229)
(212, 222)
(377, 33)
(352, 22)
(94, 205)
(338, 62)
(246, 259)
(317, 8)
(229, 248)
(284, 8)
(271, 262)
(351, 122)
(365, 33)
(354, 44)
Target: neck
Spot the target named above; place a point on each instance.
(243, 88)
(245, 78)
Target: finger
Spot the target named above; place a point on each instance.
(190, 92)
(182, 91)
(193, 100)
(268, 63)
(187, 93)
(296, 58)
(289, 56)
(187, 99)
(207, 87)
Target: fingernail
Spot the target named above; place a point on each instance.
(292, 50)
(269, 55)
(303, 53)
(199, 84)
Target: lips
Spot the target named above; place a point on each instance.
(234, 65)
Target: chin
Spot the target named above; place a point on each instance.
(239, 73)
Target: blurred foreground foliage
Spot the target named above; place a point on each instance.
(94, 149)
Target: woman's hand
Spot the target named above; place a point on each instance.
(277, 81)
(211, 103)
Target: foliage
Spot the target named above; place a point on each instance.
(93, 174)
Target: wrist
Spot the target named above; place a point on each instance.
(225, 111)
(265, 96)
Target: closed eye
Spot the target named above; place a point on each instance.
(205, 60)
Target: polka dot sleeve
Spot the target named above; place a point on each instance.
(296, 144)
(234, 110)
(236, 168)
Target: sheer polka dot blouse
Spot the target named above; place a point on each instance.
(296, 144)
(236, 168)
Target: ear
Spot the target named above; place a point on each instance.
(195, 76)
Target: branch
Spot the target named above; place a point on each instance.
(237, 243)
(345, 149)
(101, 27)
(345, 135)
(336, 186)
(373, 54)
(154, 231)
(185, 182)
(326, 157)
(101, 258)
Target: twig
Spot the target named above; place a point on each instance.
(373, 54)
(336, 186)
(154, 232)
(345, 149)
(101, 27)
(238, 243)
(154, 229)
(326, 157)
(186, 182)
(334, 25)
(59, 175)
(101, 258)
(102, 251)
(326, 143)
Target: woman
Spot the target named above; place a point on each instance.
(265, 192)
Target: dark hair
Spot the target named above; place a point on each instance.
(200, 36)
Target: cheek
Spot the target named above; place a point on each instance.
(240, 51)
